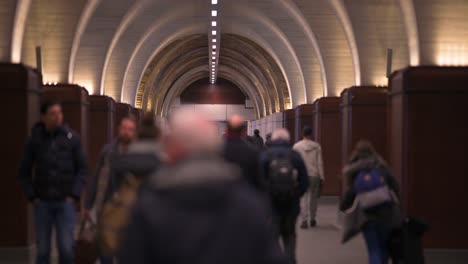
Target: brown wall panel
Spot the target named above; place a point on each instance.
(327, 127)
(101, 118)
(429, 149)
(363, 117)
(289, 122)
(303, 118)
(75, 107)
(203, 92)
(121, 110)
(138, 114)
(21, 99)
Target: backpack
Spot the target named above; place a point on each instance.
(115, 216)
(283, 177)
(372, 189)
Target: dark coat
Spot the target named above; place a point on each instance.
(109, 153)
(257, 141)
(142, 160)
(60, 167)
(388, 214)
(239, 152)
(276, 149)
(197, 212)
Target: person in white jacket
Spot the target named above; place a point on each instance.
(311, 153)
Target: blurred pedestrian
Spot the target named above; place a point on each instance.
(311, 153)
(55, 154)
(374, 191)
(199, 199)
(239, 152)
(106, 180)
(287, 181)
(257, 140)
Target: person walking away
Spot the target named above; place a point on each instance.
(198, 197)
(286, 179)
(237, 151)
(267, 140)
(106, 180)
(311, 153)
(257, 140)
(55, 154)
(371, 185)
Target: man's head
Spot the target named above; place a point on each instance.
(235, 126)
(280, 134)
(127, 130)
(257, 132)
(51, 115)
(191, 134)
(307, 133)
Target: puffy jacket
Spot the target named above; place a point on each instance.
(196, 211)
(311, 153)
(278, 148)
(60, 167)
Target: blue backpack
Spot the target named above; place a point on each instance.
(372, 189)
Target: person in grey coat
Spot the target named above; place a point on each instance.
(106, 180)
(196, 210)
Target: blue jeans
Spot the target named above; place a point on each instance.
(61, 216)
(376, 237)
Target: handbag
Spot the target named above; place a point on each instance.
(354, 220)
(86, 248)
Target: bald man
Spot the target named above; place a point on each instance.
(195, 211)
(239, 152)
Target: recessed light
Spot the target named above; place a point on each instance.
(213, 40)
(214, 47)
(213, 32)
(213, 52)
(214, 13)
(214, 2)
(214, 23)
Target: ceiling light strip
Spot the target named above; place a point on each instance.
(214, 39)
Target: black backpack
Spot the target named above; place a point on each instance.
(282, 177)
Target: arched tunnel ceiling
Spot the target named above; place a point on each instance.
(312, 48)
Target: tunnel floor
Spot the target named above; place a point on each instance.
(321, 245)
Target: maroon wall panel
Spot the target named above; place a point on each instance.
(75, 107)
(363, 116)
(138, 114)
(289, 122)
(203, 92)
(327, 127)
(429, 149)
(303, 118)
(121, 110)
(20, 107)
(102, 118)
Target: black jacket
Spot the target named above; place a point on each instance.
(239, 152)
(60, 167)
(257, 141)
(197, 212)
(280, 148)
